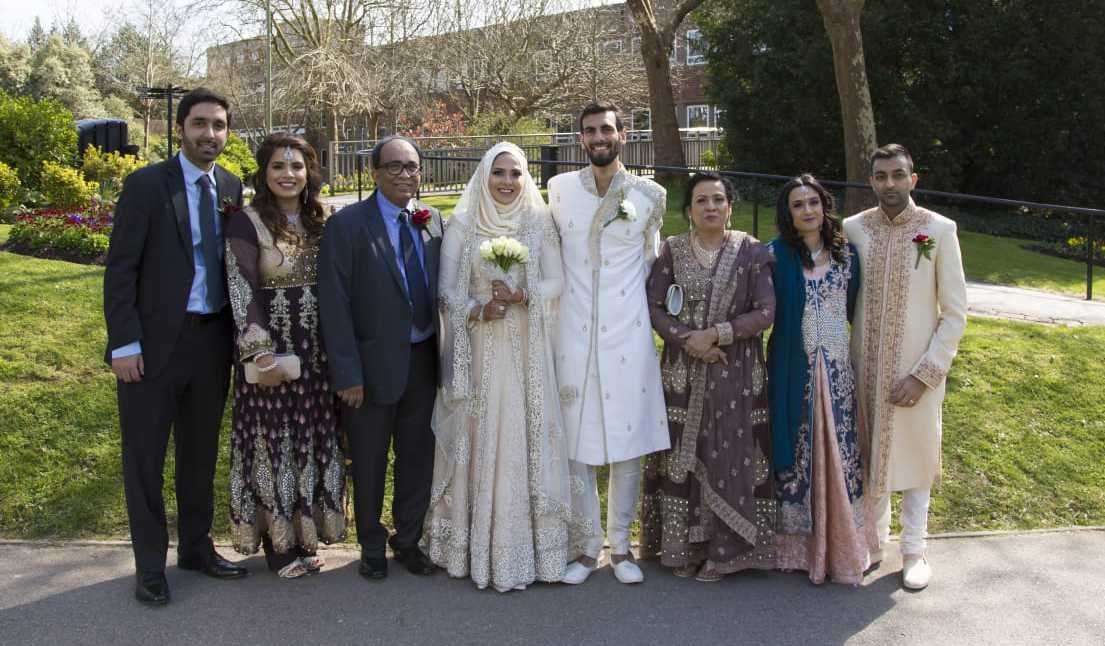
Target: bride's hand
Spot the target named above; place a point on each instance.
(500, 291)
(494, 310)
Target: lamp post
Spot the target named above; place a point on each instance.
(167, 92)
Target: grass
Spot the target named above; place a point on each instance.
(1024, 423)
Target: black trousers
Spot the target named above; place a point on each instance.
(188, 397)
(371, 430)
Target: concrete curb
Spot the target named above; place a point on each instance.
(351, 547)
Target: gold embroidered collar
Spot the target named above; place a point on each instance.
(908, 214)
(587, 177)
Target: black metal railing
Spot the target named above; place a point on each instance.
(449, 171)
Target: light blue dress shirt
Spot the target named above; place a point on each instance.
(390, 213)
(197, 298)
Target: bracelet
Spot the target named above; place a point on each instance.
(479, 317)
(272, 366)
(525, 296)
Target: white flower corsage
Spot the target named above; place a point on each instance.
(626, 211)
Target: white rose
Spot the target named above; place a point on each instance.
(630, 211)
(486, 252)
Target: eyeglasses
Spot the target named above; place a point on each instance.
(396, 167)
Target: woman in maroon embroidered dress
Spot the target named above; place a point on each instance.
(287, 480)
(709, 507)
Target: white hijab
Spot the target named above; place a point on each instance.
(478, 209)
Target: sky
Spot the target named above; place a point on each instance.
(19, 15)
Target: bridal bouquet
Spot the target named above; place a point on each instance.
(504, 252)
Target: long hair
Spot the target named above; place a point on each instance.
(311, 213)
(832, 233)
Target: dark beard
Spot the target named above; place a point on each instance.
(604, 159)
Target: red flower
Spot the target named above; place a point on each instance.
(421, 218)
(229, 207)
(920, 238)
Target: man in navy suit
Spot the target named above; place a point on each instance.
(377, 282)
(170, 336)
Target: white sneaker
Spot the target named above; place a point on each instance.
(916, 571)
(576, 573)
(628, 572)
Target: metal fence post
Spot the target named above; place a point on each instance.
(360, 170)
(756, 209)
(1090, 252)
(549, 153)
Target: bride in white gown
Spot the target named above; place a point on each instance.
(499, 506)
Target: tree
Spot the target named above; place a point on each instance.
(533, 57)
(144, 52)
(991, 98)
(15, 66)
(657, 40)
(37, 37)
(64, 72)
(842, 24)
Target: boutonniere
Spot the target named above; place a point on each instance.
(924, 245)
(421, 218)
(228, 207)
(626, 211)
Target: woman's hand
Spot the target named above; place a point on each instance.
(698, 342)
(500, 291)
(494, 310)
(715, 354)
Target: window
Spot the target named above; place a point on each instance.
(696, 48)
(612, 47)
(698, 116)
(642, 119)
(635, 45)
(719, 117)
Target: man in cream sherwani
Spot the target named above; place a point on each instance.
(610, 390)
(913, 309)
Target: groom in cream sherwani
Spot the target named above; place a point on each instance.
(911, 313)
(610, 391)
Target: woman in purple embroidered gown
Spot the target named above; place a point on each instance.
(287, 480)
(709, 507)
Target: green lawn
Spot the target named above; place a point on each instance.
(1024, 429)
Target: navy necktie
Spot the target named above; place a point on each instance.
(210, 245)
(416, 278)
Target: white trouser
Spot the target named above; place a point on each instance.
(914, 516)
(621, 507)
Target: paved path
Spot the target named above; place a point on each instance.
(1033, 305)
(1025, 588)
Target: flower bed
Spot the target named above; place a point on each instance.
(78, 235)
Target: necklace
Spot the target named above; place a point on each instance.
(706, 257)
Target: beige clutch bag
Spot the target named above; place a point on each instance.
(289, 362)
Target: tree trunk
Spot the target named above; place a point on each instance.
(667, 147)
(842, 23)
(657, 38)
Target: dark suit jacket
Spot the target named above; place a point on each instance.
(149, 264)
(364, 312)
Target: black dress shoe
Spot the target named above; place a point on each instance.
(415, 561)
(213, 566)
(373, 568)
(151, 589)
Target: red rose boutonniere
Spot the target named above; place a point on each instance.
(421, 218)
(228, 207)
(924, 246)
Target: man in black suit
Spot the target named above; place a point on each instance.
(377, 281)
(169, 340)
